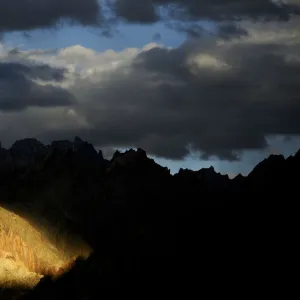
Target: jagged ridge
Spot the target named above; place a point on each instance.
(130, 206)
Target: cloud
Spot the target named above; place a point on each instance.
(181, 15)
(231, 30)
(217, 97)
(35, 120)
(216, 10)
(187, 16)
(23, 15)
(180, 97)
(135, 11)
(224, 30)
(26, 84)
(157, 37)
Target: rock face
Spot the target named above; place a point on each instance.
(86, 151)
(5, 158)
(26, 246)
(79, 151)
(28, 150)
(12, 246)
(63, 145)
(132, 159)
(135, 214)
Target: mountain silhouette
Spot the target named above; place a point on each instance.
(143, 226)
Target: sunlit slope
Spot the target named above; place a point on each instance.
(26, 252)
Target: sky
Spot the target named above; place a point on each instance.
(195, 83)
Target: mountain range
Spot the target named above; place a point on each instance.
(123, 222)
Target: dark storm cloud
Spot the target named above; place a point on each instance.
(184, 15)
(136, 11)
(231, 30)
(217, 10)
(11, 71)
(18, 90)
(191, 30)
(33, 14)
(167, 105)
(25, 15)
(196, 30)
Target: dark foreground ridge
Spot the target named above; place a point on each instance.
(146, 226)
